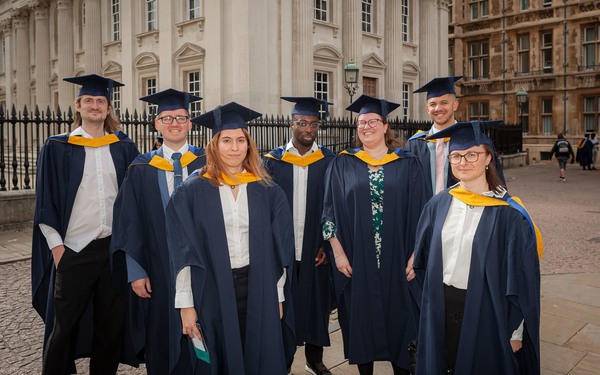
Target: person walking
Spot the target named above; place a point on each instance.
(299, 168)
(78, 176)
(562, 149)
(231, 245)
(584, 152)
(139, 229)
(477, 256)
(373, 198)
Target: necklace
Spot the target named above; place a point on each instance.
(380, 155)
(232, 186)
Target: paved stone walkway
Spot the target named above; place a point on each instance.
(567, 214)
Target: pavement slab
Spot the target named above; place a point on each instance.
(571, 310)
(558, 330)
(564, 287)
(588, 339)
(558, 358)
(589, 365)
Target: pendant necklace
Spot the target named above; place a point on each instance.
(232, 186)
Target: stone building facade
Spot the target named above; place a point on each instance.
(548, 48)
(249, 51)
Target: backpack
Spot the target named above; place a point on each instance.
(562, 146)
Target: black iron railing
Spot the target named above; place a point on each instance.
(22, 136)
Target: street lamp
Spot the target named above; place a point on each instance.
(351, 78)
(522, 100)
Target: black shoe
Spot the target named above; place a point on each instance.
(594, 169)
(317, 369)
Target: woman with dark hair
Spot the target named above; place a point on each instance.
(230, 238)
(373, 198)
(477, 253)
(562, 148)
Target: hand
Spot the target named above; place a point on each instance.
(321, 258)
(410, 271)
(516, 345)
(141, 287)
(57, 253)
(280, 310)
(188, 322)
(343, 265)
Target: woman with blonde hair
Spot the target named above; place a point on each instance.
(230, 238)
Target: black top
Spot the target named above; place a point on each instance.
(561, 154)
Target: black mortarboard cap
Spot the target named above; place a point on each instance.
(307, 106)
(464, 135)
(94, 85)
(229, 116)
(171, 99)
(439, 86)
(368, 104)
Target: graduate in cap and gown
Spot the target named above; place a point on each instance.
(299, 169)
(78, 176)
(374, 196)
(477, 252)
(432, 153)
(139, 229)
(231, 245)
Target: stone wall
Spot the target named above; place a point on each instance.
(17, 209)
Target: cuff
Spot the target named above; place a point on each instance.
(518, 333)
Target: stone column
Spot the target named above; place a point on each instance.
(66, 90)
(428, 50)
(442, 6)
(21, 30)
(7, 33)
(302, 62)
(352, 40)
(93, 37)
(42, 57)
(393, 51)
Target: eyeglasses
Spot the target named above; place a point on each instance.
(304, 124)
(372, 123)
(470, 157)
(167, 120)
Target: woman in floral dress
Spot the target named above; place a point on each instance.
(375, 194)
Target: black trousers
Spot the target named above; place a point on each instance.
(455, 306)
(240, 285)
(78, 276)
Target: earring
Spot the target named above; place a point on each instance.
(486, 167)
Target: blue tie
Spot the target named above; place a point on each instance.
(177, 170)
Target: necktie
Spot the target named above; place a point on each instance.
(440, 162)
(177, 170)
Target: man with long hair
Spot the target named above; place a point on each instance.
(140, 230)
(299, 169)
(441, 105)
(78, 176)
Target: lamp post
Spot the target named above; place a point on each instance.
(351, 78)
(522, 100)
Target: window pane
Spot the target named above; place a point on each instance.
(474, 109)
(589, 54)
(524, 4)
(546, 105)
(547, 125)
(588, 105)
(474, 49)
(589, 122)
(450, 51)
(547, 58)
(547, 40)
(484, 9)
(485, 67)
(524, 42)
(485, 48)
(475, 68)
(474, 12)
(589, 34)
(524, 62)
(485, 109)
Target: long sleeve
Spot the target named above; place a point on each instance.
(183, 289)
(281, 285)
(134, 270)
(52, 237)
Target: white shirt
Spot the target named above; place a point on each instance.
(92, 213)
(446, 144)
(300, 186)
(237, 228)
(167, 154)
(457, 245)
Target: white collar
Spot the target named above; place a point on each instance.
(290, 147)
(168, 152)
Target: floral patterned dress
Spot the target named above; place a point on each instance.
(376, 187)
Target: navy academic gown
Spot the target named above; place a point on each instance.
(376, 307)
(139, 230)
(584, 152)
(197, 238)
(59, 173)
(312, 290)
(418, 145)
(503, 289)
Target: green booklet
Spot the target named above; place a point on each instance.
(199, 348)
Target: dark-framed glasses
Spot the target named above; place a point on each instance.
(470, 157)
(303, 124)
(166, 120)
(371, 123)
